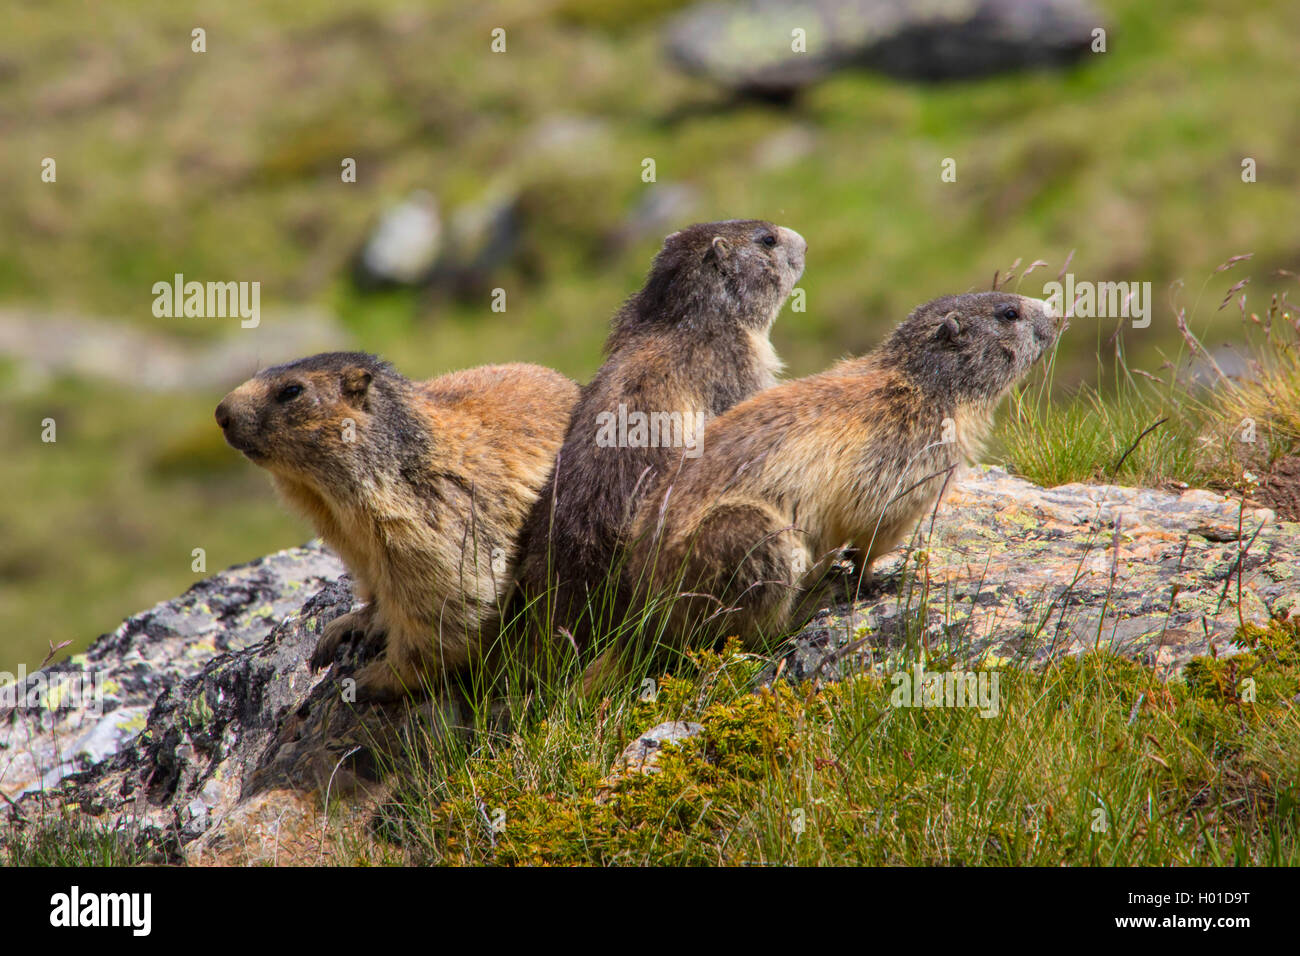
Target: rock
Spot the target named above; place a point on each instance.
(484, 238)
(210, 736)
(412, 247)
(642, 755)
(748, 46)
(404, 245)
(1015, 572)
(222, 710)
(662, 208)
(149, 656)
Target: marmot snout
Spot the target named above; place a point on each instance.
(286, 416)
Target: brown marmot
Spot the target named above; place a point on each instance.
(421, 488)
(849, 458)
(689, 345)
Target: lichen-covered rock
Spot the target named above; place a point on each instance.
(643, 754)
(751, 46)
(1011, 571)
(210, 732)
(149, 655)
(210, 704)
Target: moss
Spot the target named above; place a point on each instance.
(675, 815)
(1269, 672)
(198, 713)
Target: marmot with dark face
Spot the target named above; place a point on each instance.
(739, 541)
(420, 487)
(688, 346)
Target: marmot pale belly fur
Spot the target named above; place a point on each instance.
(688, 346)
(420, 487)
(849, 458)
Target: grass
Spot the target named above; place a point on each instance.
(72, 840)
(1092, 760)
(1197, 425)
(1085, 436)
(1088, 761)
(1265, 400)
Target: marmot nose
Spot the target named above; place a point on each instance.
(223, 416)
(794, 240)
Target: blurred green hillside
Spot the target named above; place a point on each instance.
(225, 165)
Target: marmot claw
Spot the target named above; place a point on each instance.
(351, 626)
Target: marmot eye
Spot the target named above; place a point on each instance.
(288, 393)
(1009, 312)
(768, 240)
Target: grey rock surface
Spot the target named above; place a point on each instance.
(749, 46)
(404, 244)
(1013, 572)
(147, 657)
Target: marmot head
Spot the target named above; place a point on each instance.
(972, 347)
(331, 419)
(735, 272)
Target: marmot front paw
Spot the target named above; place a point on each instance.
(362, 625)
(380, 682)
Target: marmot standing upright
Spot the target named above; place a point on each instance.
(739, 541)
(685, 348)
(420, 487)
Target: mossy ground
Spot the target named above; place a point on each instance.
(1082, 761)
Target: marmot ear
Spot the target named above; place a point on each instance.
(949, 328)
(719, 250)
(356, 381)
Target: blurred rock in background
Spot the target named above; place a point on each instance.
(404, 244)
(47, 346)
(749, 46)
